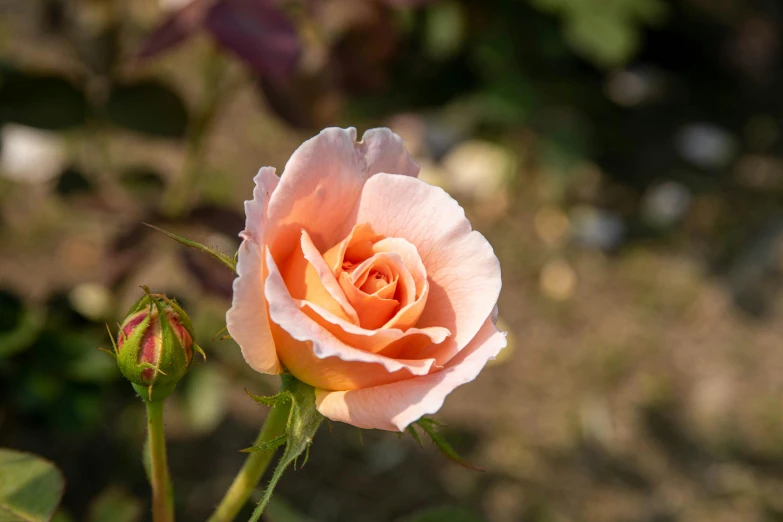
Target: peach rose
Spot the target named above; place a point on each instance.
(364, 282)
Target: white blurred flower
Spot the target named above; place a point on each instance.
(30, 155)
(92, 300)
(706, 145)
(665, 203)
(479, 169)
(631, 87)
(557, 280)
(596, 228)
(552, 225)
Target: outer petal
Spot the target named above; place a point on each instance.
(463, 272)
(394, 406)
(247, 319)
(385, 152)
(322, 181)
(316, 356)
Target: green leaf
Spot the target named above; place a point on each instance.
(606, 33)
(445, 514)
(30, 487)
(42, 101)
(227, 261)
(148, 107)
(62, 516)
(430, 427)
(445, 29)
(303, 422)
(281, 511)
(144, 183)
(607, 41)
(115, 505)
(20, 325)
(72, 182)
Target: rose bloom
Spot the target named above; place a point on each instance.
(364, 282)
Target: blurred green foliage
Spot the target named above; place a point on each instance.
(30, 487)
(606, 32)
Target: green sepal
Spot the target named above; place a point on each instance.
(127, 358)
(173, 360)
(141, 303)
(184, 318)
(271, 400)
(154, 394)
(303, 422)
(268, 445)
(227, 261)
(415, 434)
(113, 343)
(104, 350)
(430, 427)
(196, 348)
(220, 332)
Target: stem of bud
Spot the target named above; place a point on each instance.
(162, 506)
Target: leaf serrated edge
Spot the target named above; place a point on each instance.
(269, 445)
(272, 400)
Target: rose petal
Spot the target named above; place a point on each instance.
(247, 320)
(389, 263)
(379, 287)
(394, 406)
(384, 151)
(409, 314)
(410, 258)
(322, 181)
(303, 345)
(388, 342)
(355, 248)
(463, 272)
(373, 310)
(308, 277)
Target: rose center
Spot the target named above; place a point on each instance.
(380, 281)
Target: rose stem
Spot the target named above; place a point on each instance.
(162, 506)
(253, 468)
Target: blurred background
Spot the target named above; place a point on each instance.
(624, 157)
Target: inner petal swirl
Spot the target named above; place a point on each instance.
(381, 282)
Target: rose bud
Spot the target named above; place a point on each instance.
(155, 346)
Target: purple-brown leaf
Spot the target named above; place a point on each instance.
(176, 28)
(258, 32)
